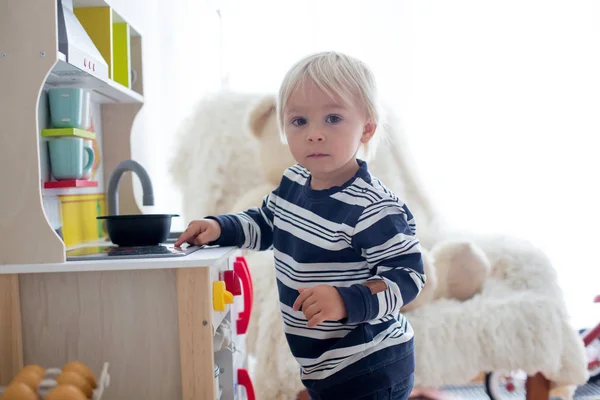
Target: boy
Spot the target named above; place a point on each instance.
(345, 249)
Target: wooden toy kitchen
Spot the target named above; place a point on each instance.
(84, 312)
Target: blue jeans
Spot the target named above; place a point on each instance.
(400, 391)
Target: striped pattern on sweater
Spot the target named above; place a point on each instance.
(343, 237)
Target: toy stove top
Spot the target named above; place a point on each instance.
(112, 252)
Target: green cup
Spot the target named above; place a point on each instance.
(67, 107)
(66, 158)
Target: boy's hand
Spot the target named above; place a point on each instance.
(320, 303)
(200, 232)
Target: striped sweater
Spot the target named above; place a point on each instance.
(342, 236)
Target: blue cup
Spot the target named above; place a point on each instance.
(66, 158)
(67, 107)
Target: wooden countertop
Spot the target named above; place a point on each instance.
(201, 258)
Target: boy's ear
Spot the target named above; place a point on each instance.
(368, 131)
(260, 113)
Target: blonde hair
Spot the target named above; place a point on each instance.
(338, 75)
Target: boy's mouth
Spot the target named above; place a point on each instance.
(317, 155)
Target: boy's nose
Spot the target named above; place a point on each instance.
(315, 136)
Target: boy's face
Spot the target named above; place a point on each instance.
(324, 133)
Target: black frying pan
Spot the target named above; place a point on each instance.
(138, 230)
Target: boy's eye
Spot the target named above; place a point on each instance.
(333, 119)
(299, 121)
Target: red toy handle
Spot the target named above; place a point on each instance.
(243, 378)
(240, 266)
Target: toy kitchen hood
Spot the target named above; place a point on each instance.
(75, 44)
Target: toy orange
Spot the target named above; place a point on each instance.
(65, 392)
(77, 380)
(41, 371)
(19, 391)
(30, 377)
(81, 369)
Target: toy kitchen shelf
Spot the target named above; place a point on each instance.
(152, 321)
(79, 43)
(102, 90)
(97, 49)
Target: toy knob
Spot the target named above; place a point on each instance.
(228, 297)
(232, 283)
(221, 296)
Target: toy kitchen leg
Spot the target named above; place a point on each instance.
(195, 308)
(11, 343)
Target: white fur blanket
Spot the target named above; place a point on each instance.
(215, 160)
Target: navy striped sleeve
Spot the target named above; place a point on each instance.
(251, 229)
(384, 236)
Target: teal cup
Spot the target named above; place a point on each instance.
(67, 108)
(66, 158)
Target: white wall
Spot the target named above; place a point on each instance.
(181, 63)
(502, 107)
